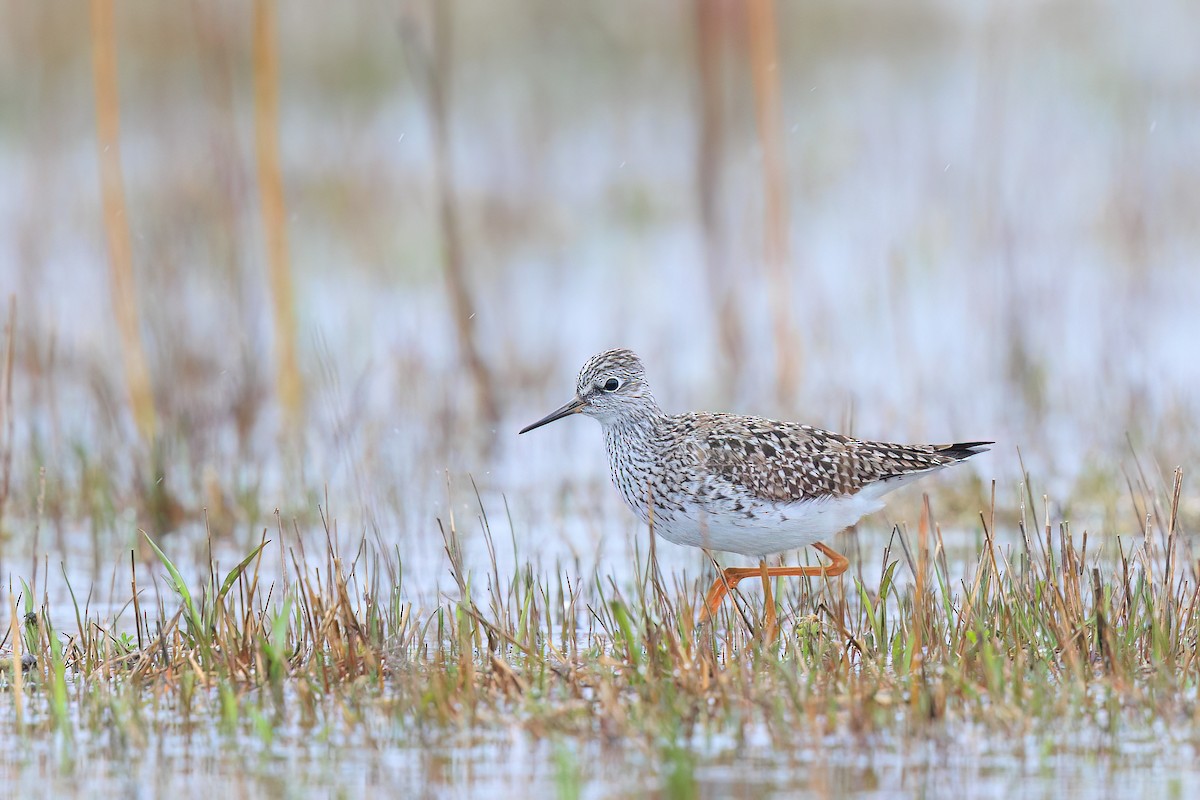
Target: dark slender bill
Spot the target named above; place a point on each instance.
(572, 407)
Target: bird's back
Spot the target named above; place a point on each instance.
(788, 462)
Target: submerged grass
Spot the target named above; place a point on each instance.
(1050, 635)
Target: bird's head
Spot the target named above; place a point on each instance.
(611, 388)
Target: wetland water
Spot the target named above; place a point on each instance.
(992, 235)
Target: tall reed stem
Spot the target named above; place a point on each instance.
(288, 385)
(764, 64)
(116, 221)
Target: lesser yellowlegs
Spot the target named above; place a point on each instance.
(739, 484)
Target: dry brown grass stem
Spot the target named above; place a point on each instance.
(116, 222)
(288, 384)
(14, 635)
(764, 67)
(432, 63)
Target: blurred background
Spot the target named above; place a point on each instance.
(279, 258)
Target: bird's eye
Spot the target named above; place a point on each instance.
(611, 385)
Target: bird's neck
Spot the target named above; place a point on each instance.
(634, 446)
(635, 429)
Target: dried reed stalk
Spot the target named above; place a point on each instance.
(116, 224)
(288, 385)
(764, 65)
(18, 678)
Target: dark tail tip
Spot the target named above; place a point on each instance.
(961, 450)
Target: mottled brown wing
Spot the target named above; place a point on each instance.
(786, 462)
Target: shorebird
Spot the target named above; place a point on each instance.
(739, 484)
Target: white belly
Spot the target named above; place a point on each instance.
(763, 528)
(767, 530)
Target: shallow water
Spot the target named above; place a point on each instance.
(955, 760)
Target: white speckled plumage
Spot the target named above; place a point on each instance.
(734, 483)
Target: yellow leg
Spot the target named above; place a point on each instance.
(731, 576)
(770, 628)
